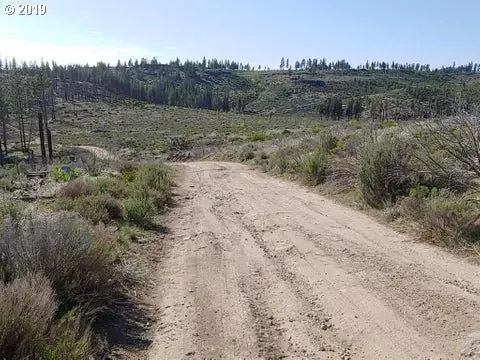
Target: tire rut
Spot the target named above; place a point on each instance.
(259, 268)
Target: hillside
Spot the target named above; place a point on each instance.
(335, 91)
(400, 94)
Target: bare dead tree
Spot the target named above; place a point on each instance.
(459, 136)
(458, 139)
(42, 137)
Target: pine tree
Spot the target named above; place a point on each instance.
(337, 108)
(349, 108)
(282, 63)
(357, 108)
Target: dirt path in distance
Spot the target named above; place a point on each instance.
(99, 152)
(259, 268)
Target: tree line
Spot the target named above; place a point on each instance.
(314, 65)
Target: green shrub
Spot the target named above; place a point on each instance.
(315, 167)
(6, 184)
(258, 136)
(13, 210)
(155, 177)
(100, 208)
(113, 186)
(317, 128)
(128, 171)
(420, 191)
(27, 309)
(93, 165)
(355, 123)
(60, 175)
(246, 152)
(139, 210)
(450, 219)
(327, 141)
(385, 171)
(69, 340)
(388, 124)
(162, 146)
(281, 162)
(96, 208)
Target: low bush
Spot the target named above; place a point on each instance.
(92, 164)
(246, 152)
(258, 136)
(385, 172)
(139, 210)
(315, 167)
(63, 248)
(354, 123)
(327, 141)
(388, 123)
(446, 217)
(114, 186)
(96, 208)
(155, 177)
(76, 189)
(6, 184)
(282, 161)
(13, 210)
(128, 171)
(60, 174)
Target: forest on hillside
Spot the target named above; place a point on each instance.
(329, 90)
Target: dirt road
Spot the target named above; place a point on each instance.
(259, 268)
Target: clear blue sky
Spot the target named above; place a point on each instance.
(260, 32)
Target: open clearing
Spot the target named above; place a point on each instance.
(256, 267)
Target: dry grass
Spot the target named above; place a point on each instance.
(27, 309)
(76, 189)
(62, 247)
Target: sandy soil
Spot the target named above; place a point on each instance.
(259, 268)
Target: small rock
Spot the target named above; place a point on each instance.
(471, 348)
(324, 327)
(190, 353)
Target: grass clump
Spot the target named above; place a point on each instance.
(27, 310)
(444, 217)
(315, 167)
